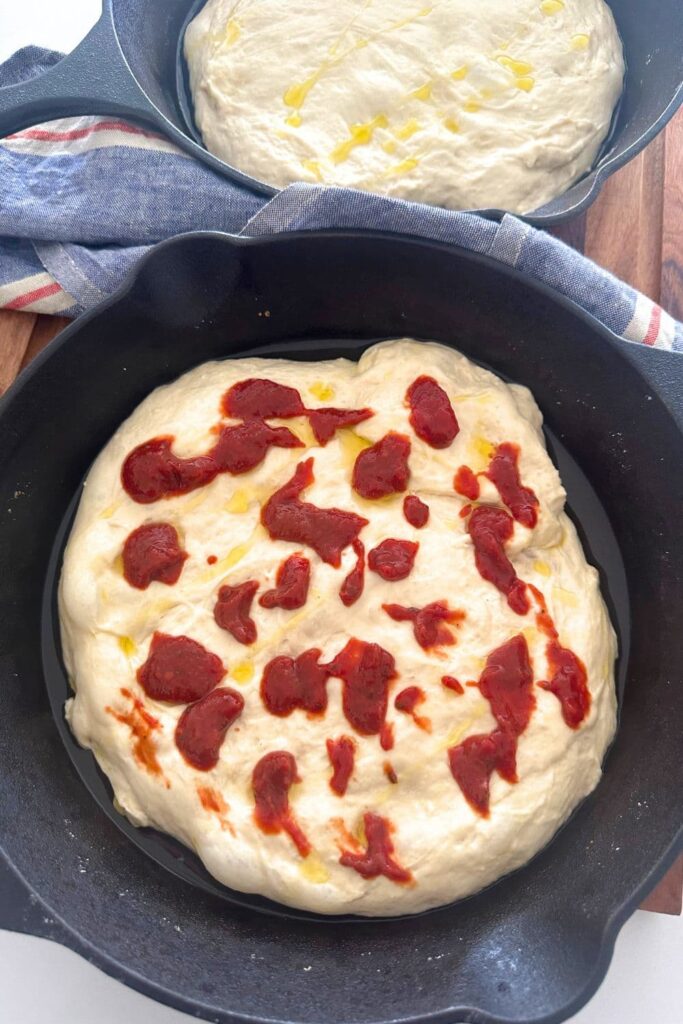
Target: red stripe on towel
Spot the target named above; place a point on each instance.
(654, 325)
(46, 135)
(28, 297)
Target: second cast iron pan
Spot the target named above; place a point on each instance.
(131, 65)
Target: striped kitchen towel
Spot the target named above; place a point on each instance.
(82, 198)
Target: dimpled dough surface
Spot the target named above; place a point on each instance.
(437, 835)
(458, 103)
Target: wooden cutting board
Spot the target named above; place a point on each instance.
(635, 229)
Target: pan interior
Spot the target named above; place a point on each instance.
(599, 543)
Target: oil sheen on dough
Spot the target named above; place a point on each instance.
(456, 103)
(107, 626)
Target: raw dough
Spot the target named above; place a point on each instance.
(107, 626)
(457, 103)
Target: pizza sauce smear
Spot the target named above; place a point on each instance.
(291, 585)
(213, 803)
(490, 528)
(272, 779)
(244, 446)
(503, 472)
(415, 511)
(142, 727)
(211, 800)
(265, 399)
(326, 422)
(507, 684)
(153, 552)
(327, 530)
(152, 471)
(202, 727)
(354, 583)
(382, 469)
(431, 413)
(569, 680)
(465, 483)
(378, 857)
(474, 761)
(179, 670)
(232, 611)
(408, 700)
(393, 560)
(261, 399)
(366, 671)
(429, 623)
(290, 683)
(386, 736)
(342, 753)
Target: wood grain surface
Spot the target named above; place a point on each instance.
(635, 230)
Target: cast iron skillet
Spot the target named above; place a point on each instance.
(131, 65)
(533, 947)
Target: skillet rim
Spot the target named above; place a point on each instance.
(619, 345)
(132, 979)
(611, 926)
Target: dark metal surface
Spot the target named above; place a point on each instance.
(532, 948)
(130, 65)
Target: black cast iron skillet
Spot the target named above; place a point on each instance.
(131, 65)
(533, 947)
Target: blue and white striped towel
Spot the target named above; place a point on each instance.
(81, 199)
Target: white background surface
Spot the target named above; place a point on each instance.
(41, 983)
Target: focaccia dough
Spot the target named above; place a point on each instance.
(107, 625)
(457, 103)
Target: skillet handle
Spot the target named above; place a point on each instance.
(92, 79)
(663, 371)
